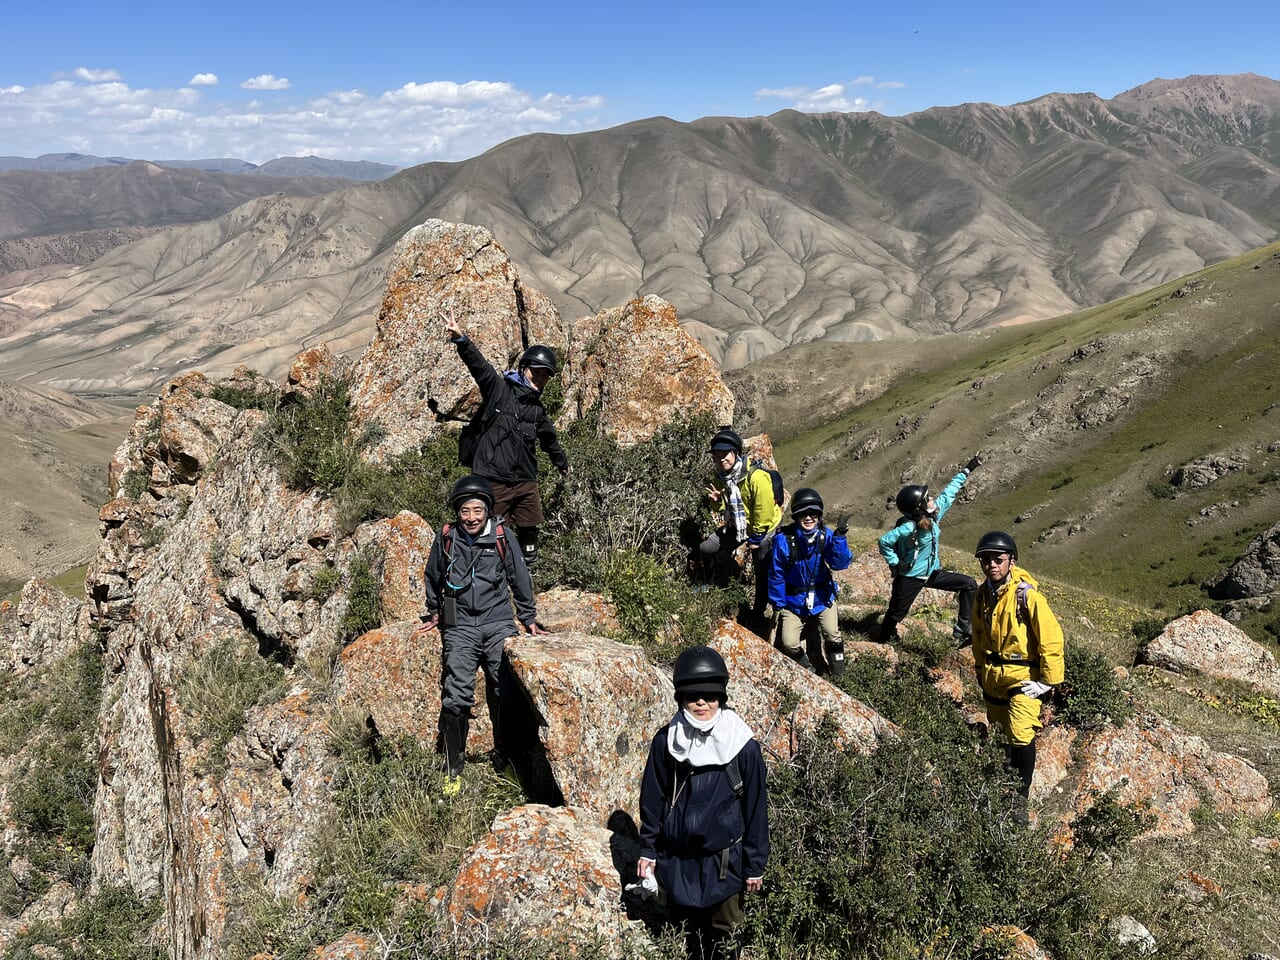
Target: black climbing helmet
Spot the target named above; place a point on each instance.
(700, 670)
(727, 438)
(471, 487)
(804, 500)
(911, 500)
(997, 541)
(539, 356)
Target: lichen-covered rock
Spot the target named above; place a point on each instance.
(1203, 643)
(598, 703)
(1256, 573)
(43, 627)
(638, 368)
(410, 382)
(760, 677)
(1165, 770)
(549, 874)
(278, 791)
(313, 367)
(392, 674)
(566, 610)
(1205, 470)
(402, 544)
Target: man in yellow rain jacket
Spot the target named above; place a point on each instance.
(1017, 651)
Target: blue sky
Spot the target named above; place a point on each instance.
(407, 83)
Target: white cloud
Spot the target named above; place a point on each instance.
(890, 85)
(265, 81)
(863, 80)
(95, 76)
(784, 93)
(828, 99)
(203, 80)
(420, 121)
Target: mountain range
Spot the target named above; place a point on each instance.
(763, 232)
(279, 167)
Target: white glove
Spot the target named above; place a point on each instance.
(1033, 688)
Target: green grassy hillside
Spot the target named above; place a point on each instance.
(1081, 421)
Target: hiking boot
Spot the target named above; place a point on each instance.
(800, 657)
(1021, 815)
(961, 637)
(835, 659)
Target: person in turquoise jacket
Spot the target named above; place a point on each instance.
(911, 551)
(801, 587)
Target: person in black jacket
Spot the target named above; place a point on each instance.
(471, 578)
(514, 425)
(704, 802)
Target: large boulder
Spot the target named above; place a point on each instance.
(549, 874)
(1167, 771)
(637, 368)
(1205, 644)
(409, 383)
(1256, 573)
(596, 703)
(785, 703)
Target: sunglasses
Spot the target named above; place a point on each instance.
(990, 558)
(807, 513)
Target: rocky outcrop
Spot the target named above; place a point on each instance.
(410, 382)
(1206, 470)
(785, 703)
(638, 368)
(1256, 573)
(1163, 770)
(550, 875)
(41, 628)
(1205, 644)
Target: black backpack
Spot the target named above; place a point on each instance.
(779, 493)
(469, 436)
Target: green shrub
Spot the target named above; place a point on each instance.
(136, 483)
(911, 851)
(222, 686)
(112, 925)
(1162, 490)
(263, 395)
(50, 723)
(364, 598)
(1090, 694)
(312, 440)
(1147, 628)
(644, 498)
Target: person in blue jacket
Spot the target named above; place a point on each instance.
(801, 587)
(704, 828)
(911, 551)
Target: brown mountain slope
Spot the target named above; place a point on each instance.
(763, 232)
(74, 212)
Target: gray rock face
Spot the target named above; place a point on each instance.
(410, 382)
(1256, 573)
(1202, 643)
(1204, 471)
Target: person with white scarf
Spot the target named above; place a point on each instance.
(744, 510)
(704, 829)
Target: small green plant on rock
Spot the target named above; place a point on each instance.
(222, 686)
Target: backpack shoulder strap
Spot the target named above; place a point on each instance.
(734, 773)
(500, 535)
(446, 539)
(1024, 611)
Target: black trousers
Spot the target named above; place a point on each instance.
(906, 589)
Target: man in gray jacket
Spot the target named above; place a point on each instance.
(471, 577)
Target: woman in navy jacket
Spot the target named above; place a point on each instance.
(704, 828)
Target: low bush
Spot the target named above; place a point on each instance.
(912, 851)
(50, 721)
(645, 498)
(364, 599)
(1090, 694)
(112, 925)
